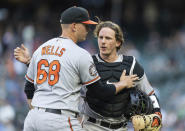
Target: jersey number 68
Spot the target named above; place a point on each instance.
(42, 75)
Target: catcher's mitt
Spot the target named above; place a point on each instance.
(139, 103)
(150, 122)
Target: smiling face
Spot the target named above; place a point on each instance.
(107, 42)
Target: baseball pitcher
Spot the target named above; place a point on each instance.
(56, 72)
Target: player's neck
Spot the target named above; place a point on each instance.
(69, 36)
(109, 58)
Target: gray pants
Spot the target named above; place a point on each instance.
(39, 120)
(89, 126)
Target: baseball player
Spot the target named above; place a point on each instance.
(56, 72)
(108, 115)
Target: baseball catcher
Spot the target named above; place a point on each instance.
(141, 112)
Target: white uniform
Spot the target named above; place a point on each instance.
(58, 70)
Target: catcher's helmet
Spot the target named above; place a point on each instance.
(139, 103)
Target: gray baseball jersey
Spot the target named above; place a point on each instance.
(58, 70)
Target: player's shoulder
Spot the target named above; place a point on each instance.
(96, 58)
(75, 49)
(134, 65)
(127, 58)
(138, 69)
(82, 52)
(48, 42)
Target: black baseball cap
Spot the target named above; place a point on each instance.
(76, 15)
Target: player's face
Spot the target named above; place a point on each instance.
(82, 31)
(107, 42)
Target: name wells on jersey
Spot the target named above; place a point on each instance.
(53, 50)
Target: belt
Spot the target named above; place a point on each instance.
(58, 111)
(108, 124)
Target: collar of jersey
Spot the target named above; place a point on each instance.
(109, 62)
(63, 37)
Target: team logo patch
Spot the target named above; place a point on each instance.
(92, 70)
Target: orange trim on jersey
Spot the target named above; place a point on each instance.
(29, 79)
(69, 121)
(91, 80)
(151, 93)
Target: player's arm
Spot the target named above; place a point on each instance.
(22, 54)
(144, 85)
(107, 91)
(100, 90)
(29, 85)
(29, 91)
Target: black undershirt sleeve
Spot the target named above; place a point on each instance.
(29, 89)
(101, 91)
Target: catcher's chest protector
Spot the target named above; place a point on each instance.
(111, 72)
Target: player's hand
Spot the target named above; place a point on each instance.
(128, 81)
(22, 54)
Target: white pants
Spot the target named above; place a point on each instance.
(39, 120)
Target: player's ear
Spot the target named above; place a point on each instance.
(73, 27)
(118, 43)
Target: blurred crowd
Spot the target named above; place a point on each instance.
(154, 33)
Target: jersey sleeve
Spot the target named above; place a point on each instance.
(30, 71)
(87, 70)
(145, 86)
(138, 69)
(143, 83)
